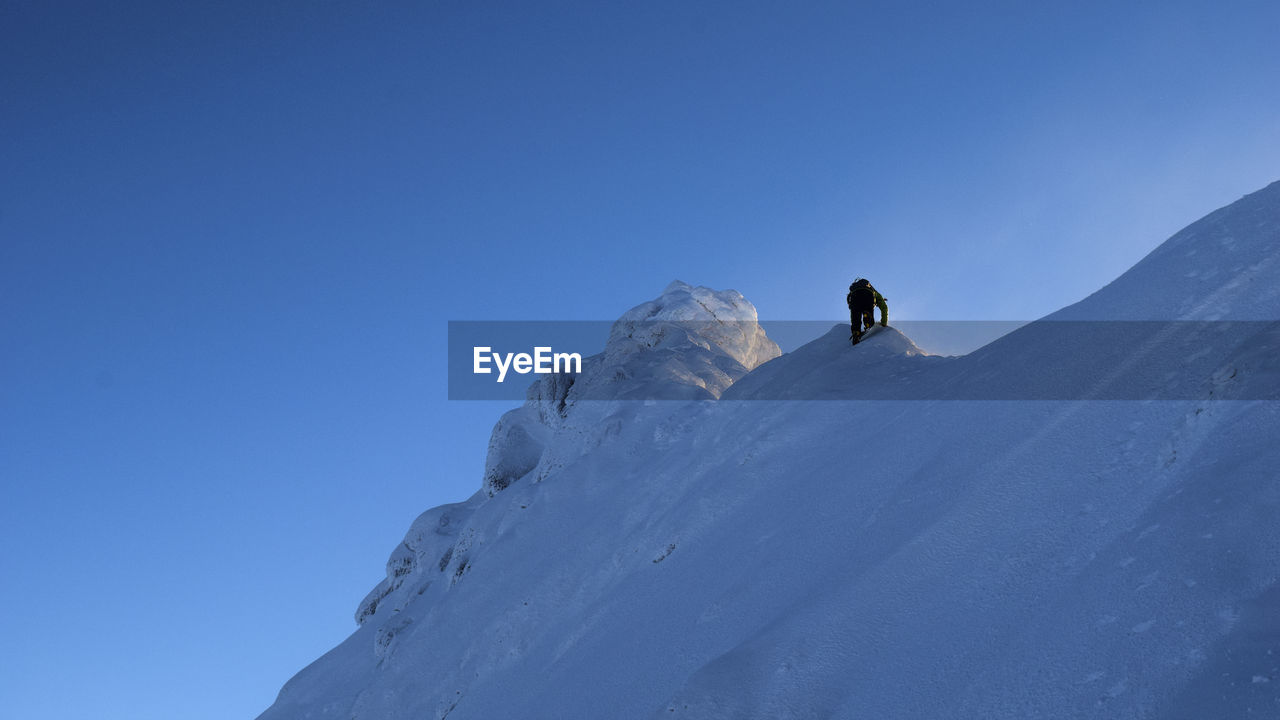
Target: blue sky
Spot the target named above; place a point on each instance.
(232, 234)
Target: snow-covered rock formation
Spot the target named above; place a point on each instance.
(948, 538)
(690, 343)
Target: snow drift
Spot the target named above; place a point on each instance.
(947, 552)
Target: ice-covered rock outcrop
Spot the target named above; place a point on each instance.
(662, 336)
(690, 343)
(429, 550)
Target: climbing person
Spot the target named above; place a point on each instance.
(862, 300)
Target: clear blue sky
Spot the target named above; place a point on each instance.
(231, 236)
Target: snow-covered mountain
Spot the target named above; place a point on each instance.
(869, 532)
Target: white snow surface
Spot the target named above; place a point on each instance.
(726, 556)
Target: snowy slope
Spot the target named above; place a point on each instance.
(1223, 266)
(893, 553)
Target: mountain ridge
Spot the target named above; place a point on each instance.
(767, 557)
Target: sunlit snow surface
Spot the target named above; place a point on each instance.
(924, 556)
